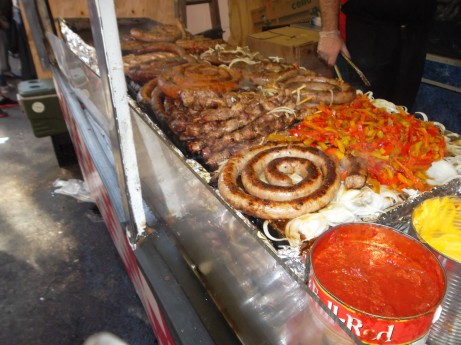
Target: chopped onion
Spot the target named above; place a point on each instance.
(305, 228)
(440, 172)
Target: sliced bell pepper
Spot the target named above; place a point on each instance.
(399, 147)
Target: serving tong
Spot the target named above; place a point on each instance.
(356, 69)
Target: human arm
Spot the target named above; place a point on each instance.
(330, 42)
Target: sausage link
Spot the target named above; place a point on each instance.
(281, 188)
(255, 206)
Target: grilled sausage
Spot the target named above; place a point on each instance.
(304, 199)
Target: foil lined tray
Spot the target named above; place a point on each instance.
(77, 35)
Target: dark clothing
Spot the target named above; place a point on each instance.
(396, 11)
(5, 21)
(6, 14)
(388, 43)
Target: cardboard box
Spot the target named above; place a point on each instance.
(294, 45)
(276, 13)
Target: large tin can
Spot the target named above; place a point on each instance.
(447, 331)
(386, 286)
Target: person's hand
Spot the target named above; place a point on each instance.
(330, 45)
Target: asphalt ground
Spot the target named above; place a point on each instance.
(62, 279)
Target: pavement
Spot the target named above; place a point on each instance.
(61, 277)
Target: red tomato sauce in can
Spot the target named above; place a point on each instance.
(380, 274)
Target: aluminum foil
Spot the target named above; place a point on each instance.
(77, 45)
(400, 216)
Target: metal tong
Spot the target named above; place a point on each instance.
(356, 69)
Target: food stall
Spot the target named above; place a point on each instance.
(204, 271)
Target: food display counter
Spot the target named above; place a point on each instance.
(204, 272)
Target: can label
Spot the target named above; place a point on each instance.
(374, 330)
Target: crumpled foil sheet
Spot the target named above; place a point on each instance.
(85, 52)
(399, 217)
(294, 261)
(199, 170)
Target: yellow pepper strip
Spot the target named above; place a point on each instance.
(340, 145)
(323, 146)
(379, 155)
(375, 185)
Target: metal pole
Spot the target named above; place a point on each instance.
(107, 43)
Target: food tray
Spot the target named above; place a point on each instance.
(240, 261)
(77, 33)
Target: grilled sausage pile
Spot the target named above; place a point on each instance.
(222, 102)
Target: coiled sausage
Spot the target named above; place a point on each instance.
(257, 198)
